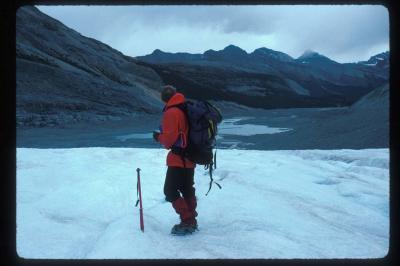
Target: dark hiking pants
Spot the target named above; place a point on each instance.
(179, 180)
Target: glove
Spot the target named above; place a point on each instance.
(155, 135)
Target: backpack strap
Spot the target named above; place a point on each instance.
(180, 150)
(180, 106)
(183, 160)
(210, 167)
(215, 158)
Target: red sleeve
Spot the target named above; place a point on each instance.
(169, 129)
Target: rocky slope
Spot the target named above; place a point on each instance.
(63, 77)
(376, 99)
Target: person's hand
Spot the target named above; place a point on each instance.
(155, 135)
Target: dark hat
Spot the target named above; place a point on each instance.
(167, 92)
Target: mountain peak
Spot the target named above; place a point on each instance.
(269, 53)
(234, 49)
(210, 51)
(263, 50)
(157, 51)
(380, 60)
(312, 56)
(381, 56)
(309, 54)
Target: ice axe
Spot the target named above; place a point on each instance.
(139, 200)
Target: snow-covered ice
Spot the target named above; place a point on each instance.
(79, 204)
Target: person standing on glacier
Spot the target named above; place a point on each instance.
(179, 181)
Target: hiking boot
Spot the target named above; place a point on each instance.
(184, 228)
(188, 221)
(194, 224)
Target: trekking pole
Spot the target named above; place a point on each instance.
(139, 191)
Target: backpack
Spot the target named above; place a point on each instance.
(203, 119)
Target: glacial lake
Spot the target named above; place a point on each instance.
(228, 129)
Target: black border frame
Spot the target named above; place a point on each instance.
(8, 253)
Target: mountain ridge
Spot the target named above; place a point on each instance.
(259, 51)
(311, 74)
(64, 77)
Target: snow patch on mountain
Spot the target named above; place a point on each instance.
(296, 87)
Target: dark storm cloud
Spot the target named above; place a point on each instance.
(344, 33)
(337, 29)
(226, 18)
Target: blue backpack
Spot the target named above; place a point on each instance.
(203, 119)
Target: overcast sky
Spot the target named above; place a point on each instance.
(344, 33)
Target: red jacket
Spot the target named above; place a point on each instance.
(174, 127)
